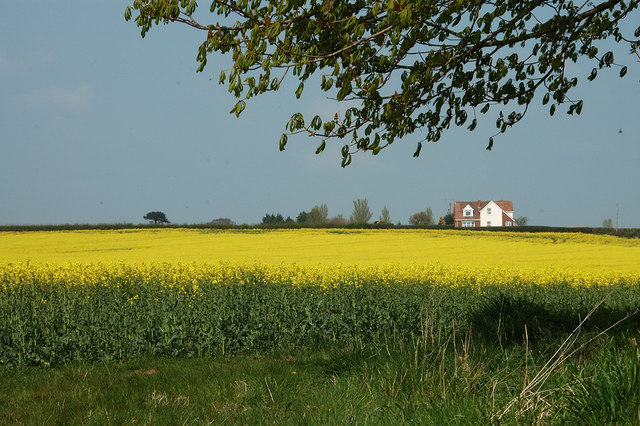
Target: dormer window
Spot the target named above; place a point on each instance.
(468, 212)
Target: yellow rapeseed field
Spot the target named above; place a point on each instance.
(330, 255)
(326, 246)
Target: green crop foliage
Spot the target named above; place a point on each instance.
(126, 313)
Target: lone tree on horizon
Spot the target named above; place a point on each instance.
(406, 67)
(156, 217)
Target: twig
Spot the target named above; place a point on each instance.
(270, 394)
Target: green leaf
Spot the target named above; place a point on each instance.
(418, 149)
(274, 31)
(321, 147)
(623, 71)
(490, 144)
(296, 122)
(283, 141)
(593, 75)
(328, 127)
(127, 13)
(300, 89)
(545, 99)
(316, 122)
(552, 110)
(342, 93)
(346, 160)
(461, 117)
(238, 108)
(233, 82)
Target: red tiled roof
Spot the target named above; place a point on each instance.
(505, 205)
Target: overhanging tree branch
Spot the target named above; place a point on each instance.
(409, 64)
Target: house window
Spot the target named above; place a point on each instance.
(507, 223)
(467, 213)
(488, 223)
(468, 224)
(488, 211)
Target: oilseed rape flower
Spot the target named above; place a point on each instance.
(190, 278)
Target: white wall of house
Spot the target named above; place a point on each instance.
(491, 215)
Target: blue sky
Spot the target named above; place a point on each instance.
(98, 125)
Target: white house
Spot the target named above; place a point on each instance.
(473, 214)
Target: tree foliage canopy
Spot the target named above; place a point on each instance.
(449, 219)
(385, 216)
(156, 217)
(521, 221)
(361, 212)
(273, 219)
(318, 214)
(424, 218)
(607, 223)
(407, 65)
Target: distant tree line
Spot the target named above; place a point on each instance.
(275, 219)
(619, 232)
(360, 215)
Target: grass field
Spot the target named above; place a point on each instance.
(381, 325)
(416, 382)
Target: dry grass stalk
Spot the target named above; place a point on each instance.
(532, 390)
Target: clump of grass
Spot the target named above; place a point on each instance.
(535, 393)
(609, 391)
